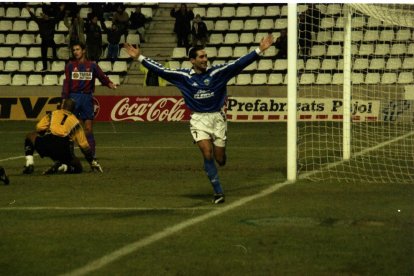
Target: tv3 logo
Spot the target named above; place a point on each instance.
(30, 110)
(394, 109)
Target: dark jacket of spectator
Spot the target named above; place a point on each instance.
(114, 34)
(46, 25)
(182, 26)
(199, 31)
(282, 45)
(137, 20)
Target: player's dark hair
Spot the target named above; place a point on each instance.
(78, 43)
(193, 51)
(69, 104)
(83, 47)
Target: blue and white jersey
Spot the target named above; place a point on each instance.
(205, 92)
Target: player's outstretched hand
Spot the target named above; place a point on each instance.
(266, 42)
(132, 51)
(95, 166)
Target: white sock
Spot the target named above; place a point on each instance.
(63, 168)
(29, 160)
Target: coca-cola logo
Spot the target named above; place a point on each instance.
(96, 107)
(162, 109)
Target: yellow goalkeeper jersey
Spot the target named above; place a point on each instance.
(64, 124)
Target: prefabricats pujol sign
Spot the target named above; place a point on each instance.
(172, 108)
(308, 109)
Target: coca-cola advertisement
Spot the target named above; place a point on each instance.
(141, 109)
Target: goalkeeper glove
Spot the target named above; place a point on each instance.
(96, 166)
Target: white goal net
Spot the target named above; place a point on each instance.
(381, 130)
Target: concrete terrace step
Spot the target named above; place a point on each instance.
(160, 42)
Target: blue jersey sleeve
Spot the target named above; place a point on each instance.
(233, 68)
(173, 76)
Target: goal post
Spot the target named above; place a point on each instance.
(292, 93)
(358, 72)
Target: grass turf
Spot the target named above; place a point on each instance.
(153, 179)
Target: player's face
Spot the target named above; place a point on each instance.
(78, 52)
(201, 61)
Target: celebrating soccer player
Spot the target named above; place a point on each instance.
(204, 92)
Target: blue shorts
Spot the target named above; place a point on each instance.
(84, 109)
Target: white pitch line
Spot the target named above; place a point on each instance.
(362, 152)
(143, 147)
(132, 247)
(12, 158)
(61, 208)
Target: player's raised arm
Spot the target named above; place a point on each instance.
(132, 51)
(266, 42)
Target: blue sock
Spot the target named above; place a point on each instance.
(91, 140)
(212, 174)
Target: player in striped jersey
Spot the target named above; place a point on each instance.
(54, 137)
(204, 91)
(79, 84)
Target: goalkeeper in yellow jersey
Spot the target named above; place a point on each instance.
(55, 136)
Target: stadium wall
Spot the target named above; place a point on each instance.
(245, 103)
(236, 91)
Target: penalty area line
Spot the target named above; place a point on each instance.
(61, 208)
(135, 246)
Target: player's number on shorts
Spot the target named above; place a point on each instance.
(64, 119)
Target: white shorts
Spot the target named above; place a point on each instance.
(209, 126)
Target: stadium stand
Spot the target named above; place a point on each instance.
(235, 29)
(20, 45)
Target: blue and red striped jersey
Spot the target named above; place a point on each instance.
(80, 77)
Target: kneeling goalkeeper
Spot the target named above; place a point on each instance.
(54, 138)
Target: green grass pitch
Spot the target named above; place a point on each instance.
(150, 212)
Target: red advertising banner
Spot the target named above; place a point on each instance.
(239, 109)
(141, 109)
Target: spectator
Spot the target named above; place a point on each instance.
(114, 38)
(76, 28)
(71, 8)
(97, 9)
(282, 45)
(47, 26)
(108, 11)
(93, 39)
(137, 23)
(199, 32)
(121, 20)
(182, 26)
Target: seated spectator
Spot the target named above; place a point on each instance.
(108, 11)
(114, 38)
(137, 23)
(282, 45)
(121, 20)
(199, 32)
